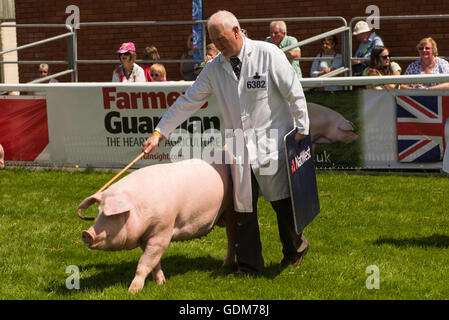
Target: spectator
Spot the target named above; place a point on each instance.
(244, 32)
(368, 40)
(44, 71)
(321, 67)
(186, 69)
(278, 36)
(429, 63)
(381, 65)
(211, 53)
(158, 72)
(128, 71)
(151, 53)
(2, 157)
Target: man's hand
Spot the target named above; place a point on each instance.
(151, 144)
(299, 137)
(293, 54)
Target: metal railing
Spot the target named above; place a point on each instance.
(71, 49)
(306, 82)
(73, 61)
(72, 46)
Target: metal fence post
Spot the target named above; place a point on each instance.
(72, 52)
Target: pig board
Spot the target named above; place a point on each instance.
(302, 180)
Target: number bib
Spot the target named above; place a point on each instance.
(257, 83)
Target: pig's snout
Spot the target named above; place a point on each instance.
(88, 237)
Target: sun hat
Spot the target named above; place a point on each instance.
(127, 46)
(361, 27)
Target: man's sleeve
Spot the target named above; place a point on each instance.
(284, 76)
(186, 105)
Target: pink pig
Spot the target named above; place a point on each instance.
(160, 203)
(329, 126)
(2, 157)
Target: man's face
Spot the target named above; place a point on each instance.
(43, 72)
(229, 42)
(276, 35)
(363, 37)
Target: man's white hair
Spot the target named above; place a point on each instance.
(281, 24)
(225, 18)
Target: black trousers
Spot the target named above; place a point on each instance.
(248, 244)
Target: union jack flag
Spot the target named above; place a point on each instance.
(420, 127)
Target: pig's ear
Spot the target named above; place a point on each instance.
(117, 204)
(90, 201)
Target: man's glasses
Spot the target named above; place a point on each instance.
(385, 57)
(157, 75)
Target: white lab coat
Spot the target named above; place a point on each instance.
(280, 105)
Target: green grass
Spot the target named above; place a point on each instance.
(400, 224)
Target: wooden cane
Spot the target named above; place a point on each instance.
(121, 172)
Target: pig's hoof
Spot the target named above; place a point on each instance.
(159, 278)
(136, 286)
(160, 281)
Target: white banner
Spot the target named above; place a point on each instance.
(106, 125)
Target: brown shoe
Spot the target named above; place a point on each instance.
(296, 260)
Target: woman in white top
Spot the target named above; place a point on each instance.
(321, 67)
(128, 71)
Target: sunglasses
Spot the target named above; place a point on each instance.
(155, 75)
(126, 54)
(424, 48)
(385, 57)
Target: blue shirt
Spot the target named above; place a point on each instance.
(364, 49)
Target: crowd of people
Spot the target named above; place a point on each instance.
(372, 58)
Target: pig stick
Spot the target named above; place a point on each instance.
(121, 172)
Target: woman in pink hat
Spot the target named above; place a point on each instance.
(128, 71)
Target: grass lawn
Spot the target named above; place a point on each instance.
(398, 224)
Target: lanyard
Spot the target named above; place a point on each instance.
(367, 48)
(329, 62)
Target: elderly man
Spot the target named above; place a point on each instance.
(278, 36)
(258, 92)
(367, 41)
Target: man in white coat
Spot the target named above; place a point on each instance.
(261, 99)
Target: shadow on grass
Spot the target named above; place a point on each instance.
(435, 240)
(110, 274)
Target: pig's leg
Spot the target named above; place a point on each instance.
(150, 258)
(158, 275)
